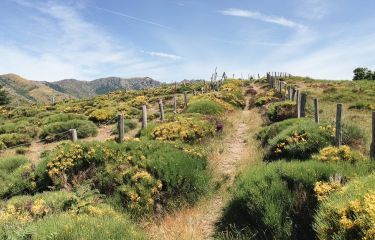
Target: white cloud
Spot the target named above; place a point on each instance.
(164, 55)
(72, 48)
(262, 17)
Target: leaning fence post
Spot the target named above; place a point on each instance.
(161, 108)
(372, 148)
(298, 104)
(120, 128)
(185, 100)
(339, 125)
(285, 92)
(316, 110)
(144, 117)
(303, 104)
(73, 135)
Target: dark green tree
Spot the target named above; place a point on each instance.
(4, 96)
(360, 73)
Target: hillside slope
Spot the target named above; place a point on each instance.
(83, 89)
(22, 90)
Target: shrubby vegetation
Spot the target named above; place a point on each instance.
(280, 111)
(277, 201)
(60, 130)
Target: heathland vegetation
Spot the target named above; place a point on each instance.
(292, 180)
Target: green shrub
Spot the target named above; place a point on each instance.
(15, 139)
(265, 100)
(352, 135)
(60, 130)
(349, 213)
(273, 130)
(129, 124)
(22, 150)
(280, 111)
(16, 176)
(2, 146)
(298, 141)
(277, 201)
(23, 127)
(63, 117)
(206, 107)
(139, 173)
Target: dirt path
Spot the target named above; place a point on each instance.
(239, 149)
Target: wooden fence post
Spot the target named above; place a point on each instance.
(316, 110)
(185, 100)
(294, 92)
(73, 135)
(144, 116)
(372, 148)
(339, 125)
(174, 103)
(298, 101)
(286, 92)
(120, 128)
(161, 108)
(303, 104)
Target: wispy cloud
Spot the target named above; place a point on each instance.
(81, 50)
(262, 17)
(132, 17)
(164, 55)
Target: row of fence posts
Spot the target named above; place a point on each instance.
(294, 94)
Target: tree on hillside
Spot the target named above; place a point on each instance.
(4, 96)
(363, 74)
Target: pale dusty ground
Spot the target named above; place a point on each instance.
(237, 150)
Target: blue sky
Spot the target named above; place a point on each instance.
(183, 39)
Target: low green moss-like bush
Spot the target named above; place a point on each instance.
(206, 107)
(348, 213)
(59, 130)
(23, 127)
(139, 174)
(298, 142)
(64, 117)
(280, 111)
(277, 201)
(15, 139)
(265, 100)
(16, 176)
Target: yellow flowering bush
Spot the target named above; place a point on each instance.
(334, 154)
(139, 101)
(103, 114)
(349, 213)
(329, 128)
(187, 129)
(323, 189)
(295, 138)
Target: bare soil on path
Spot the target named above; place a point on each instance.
(237, 151)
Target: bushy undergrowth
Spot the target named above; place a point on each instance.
(63, 117)
(129, 124)
(15, 139)
(232, 93)
(59, 130)
(348, 213)
(206, 107)
(337, 154)
(63, 215)
(277, 201)
(23, 127)
(186, 128)
(16, 176)
(138, 174)
(280, 111)
(298, 141)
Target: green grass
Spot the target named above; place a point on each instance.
(206, 107)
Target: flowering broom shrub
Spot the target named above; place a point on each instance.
(335, 154)
(139, 173)
(349, 213)
(187, 128)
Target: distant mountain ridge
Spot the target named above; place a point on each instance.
(83, 89)
(24, 90)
